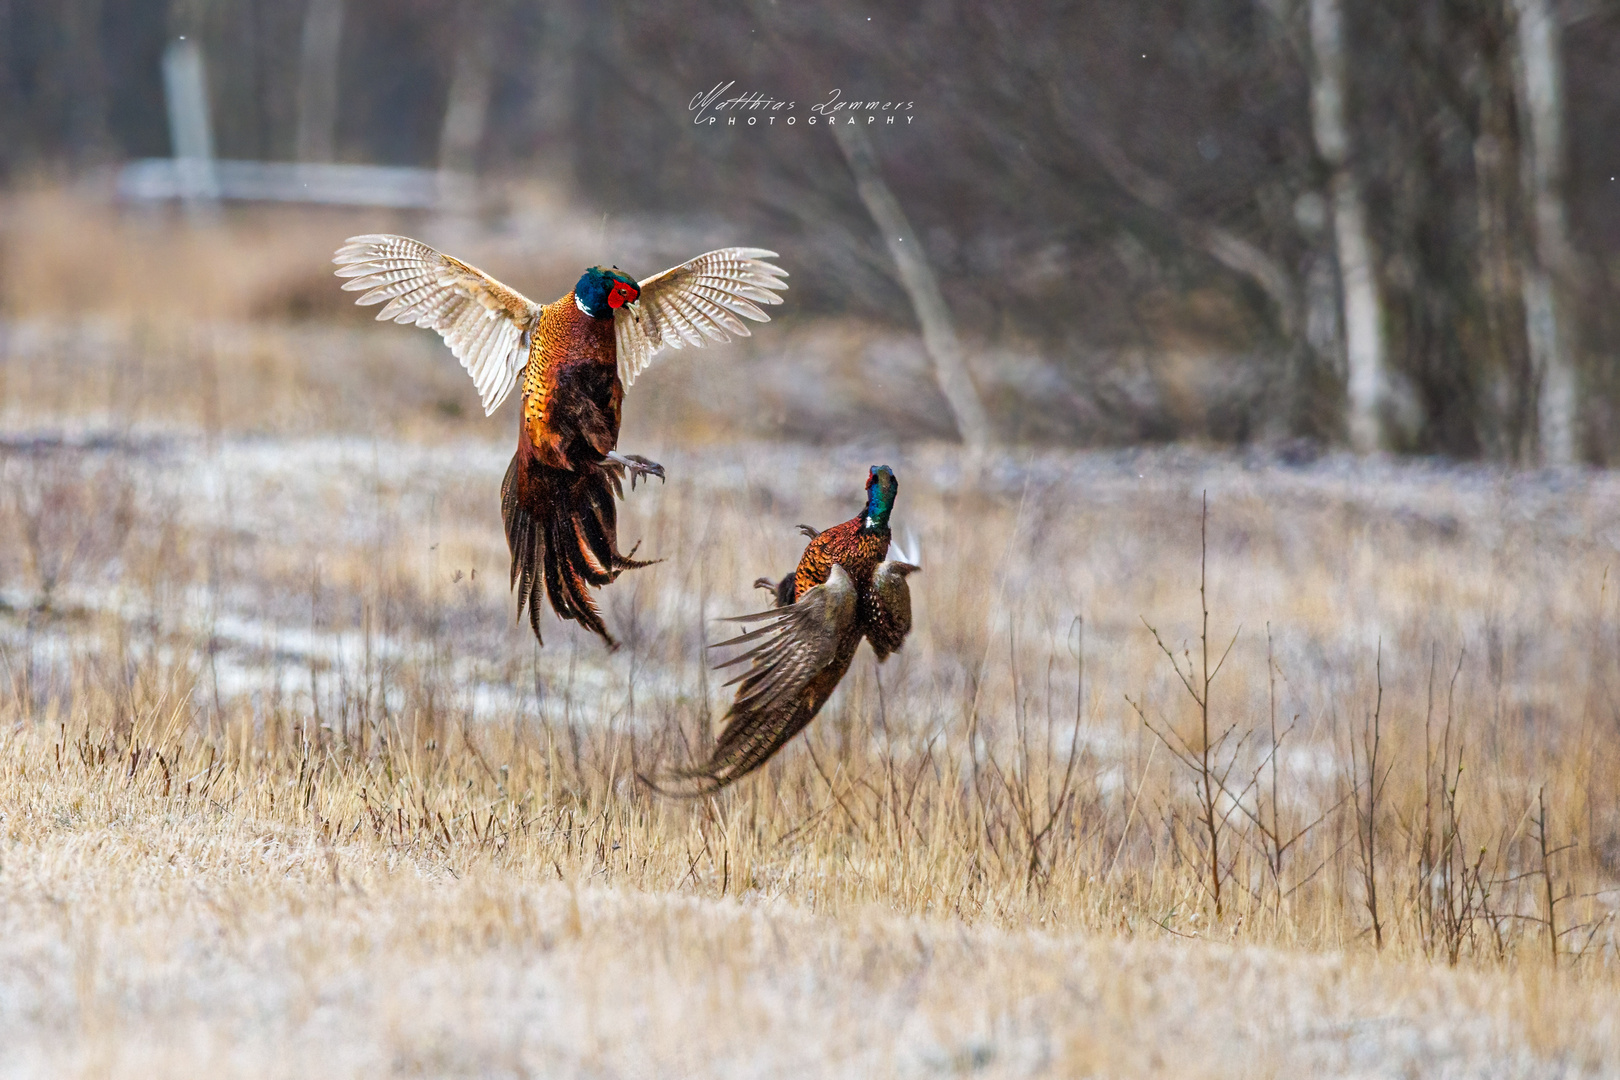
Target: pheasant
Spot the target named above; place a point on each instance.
(575, 356)
(843, 589)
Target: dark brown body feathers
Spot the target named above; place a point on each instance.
(559, 497)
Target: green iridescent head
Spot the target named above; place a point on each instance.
(881, 487)
(602, 291)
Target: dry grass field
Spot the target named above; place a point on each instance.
(285, 789)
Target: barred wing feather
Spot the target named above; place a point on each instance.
(696, 300)
(796, 642)
(797, 646)
(485, 323)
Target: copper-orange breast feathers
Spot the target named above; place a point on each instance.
(848, 544)
(571, 400)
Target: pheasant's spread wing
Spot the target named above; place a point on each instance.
(891, 608)
(694, 300)
(486, 324)
(796, 644)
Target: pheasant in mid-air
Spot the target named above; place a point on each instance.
(575, 357)
(843, 590)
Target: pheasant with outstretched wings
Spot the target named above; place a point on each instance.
(574, 358)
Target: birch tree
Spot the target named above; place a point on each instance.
(1549, 264)
(466, 111)
(1358, 276)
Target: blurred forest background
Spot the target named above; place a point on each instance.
(1392, 224)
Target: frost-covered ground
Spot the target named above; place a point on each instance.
(326, 578)
(162, 950)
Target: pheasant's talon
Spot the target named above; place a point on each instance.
(637, 466)
(765, 583)
(810, 531)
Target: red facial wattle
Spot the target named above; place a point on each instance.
(622, 294)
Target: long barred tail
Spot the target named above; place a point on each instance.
(562, 529)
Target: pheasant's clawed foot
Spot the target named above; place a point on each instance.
(765, 583)
(637, 466)
(630, 562)
(809, 531)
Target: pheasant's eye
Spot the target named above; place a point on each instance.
(622, 294)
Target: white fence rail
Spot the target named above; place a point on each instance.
(158, 179)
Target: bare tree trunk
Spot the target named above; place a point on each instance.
(1502, 359)
(938, 329)
(555, 108)
(318, 80)
(1550, 266)
(467, 109)
(466, 112)
(1318, 361)
(1358, 277)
